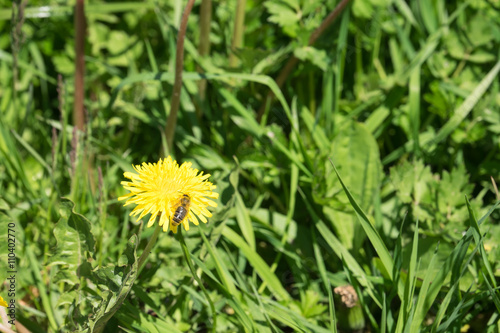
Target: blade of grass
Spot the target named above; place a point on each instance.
(406, 11)
(371, 232)
(252, 126)
(244, 221)
(479, 239)
(31, 150)
(4, 56)
(242, 215)
(187, 257)
(222, 271)
(44, 294)
(294, 179)
(13, 161)
(452, 264)
(258, 264)
(412, 270)
(493, 293)
(264, 312)
(422, 305)
(447, 299)
(428, 14)
(482, 219)
(383, 322)
(317, 132)
(341, 251)
(291, 318)
(326, 282)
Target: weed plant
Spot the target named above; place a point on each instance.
(354, 146)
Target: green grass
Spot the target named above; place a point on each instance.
(374, 166)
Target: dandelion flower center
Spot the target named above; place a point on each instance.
(157, 188)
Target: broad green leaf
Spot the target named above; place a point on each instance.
(75, 243)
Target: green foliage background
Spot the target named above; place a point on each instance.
(403, 97)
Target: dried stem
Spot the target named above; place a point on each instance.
(495, 187)
(179, 62)
(78, 113)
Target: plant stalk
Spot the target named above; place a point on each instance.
(204, 45)
(149, 246)
(238, 32)
(78, 115)
(179, 63)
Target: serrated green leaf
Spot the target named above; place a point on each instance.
(75, 243)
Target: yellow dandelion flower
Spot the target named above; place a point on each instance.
(3, 303)
(158, 188)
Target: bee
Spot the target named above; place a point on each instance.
(181, 210)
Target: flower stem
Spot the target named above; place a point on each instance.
(148, 248)
(187, 256)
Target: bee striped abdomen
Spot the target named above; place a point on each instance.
(182, 210)
(179, 215)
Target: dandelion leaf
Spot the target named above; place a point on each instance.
(75, 245)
